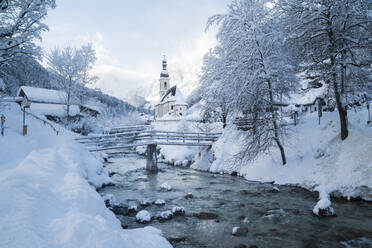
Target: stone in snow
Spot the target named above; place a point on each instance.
(145, 203)
(143, 217)
(323, 208)
(159, 202)
(166, 186)
(120, 209)
(165, 215)
(109, 200)
(239, 231)
(189, 196)
(133, 209)
(178, 210)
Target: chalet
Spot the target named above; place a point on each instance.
(312, 106)
(172, 103)
(53, 103)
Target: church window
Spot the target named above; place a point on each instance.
(165, 84)
(171, 107)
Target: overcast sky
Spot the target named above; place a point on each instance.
(130, 38)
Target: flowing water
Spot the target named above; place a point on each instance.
(273, 218)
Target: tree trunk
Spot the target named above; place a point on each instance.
(341, 109)
(284, 159)
(271, 97)
(343, 74)
(68, 98)
(342, 112)
(275, 124)
(224, 120)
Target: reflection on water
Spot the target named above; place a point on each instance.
(273, 219)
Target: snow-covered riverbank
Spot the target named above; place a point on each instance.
(317, 158)
(48, 192)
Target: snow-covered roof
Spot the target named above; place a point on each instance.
(173, 95)
(309, 97)
(43, 95)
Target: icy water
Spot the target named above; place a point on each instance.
(273, 219)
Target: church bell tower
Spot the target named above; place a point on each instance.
(164, 79)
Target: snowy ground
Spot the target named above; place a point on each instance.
(317, 158)
(48, 192)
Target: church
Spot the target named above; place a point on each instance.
(171, 104)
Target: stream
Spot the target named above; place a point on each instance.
(270, 215)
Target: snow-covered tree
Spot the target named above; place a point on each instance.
(73, 66)
(251, 66)
(21, 23)
(331, 40)
(87, 59)
(216, 92)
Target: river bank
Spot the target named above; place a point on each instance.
(317, 159)
(48, 192)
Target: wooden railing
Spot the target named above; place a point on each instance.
(146, 137)
(44, 121)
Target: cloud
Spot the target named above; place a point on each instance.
(120, 81)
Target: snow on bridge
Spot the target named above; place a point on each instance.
(129, 137)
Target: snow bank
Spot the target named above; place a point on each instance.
(317, 158)
(48, 193)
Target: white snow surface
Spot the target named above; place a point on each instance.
(317, 159)
(48, 193)
(59, 110)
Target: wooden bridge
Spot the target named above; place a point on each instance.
(124, 138)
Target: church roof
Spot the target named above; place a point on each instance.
(173, 95)
(164, 73)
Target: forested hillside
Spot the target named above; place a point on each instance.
(26, 71)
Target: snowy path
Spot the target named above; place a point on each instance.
(48, 196)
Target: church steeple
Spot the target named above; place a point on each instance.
(164, 78)
(164, 64)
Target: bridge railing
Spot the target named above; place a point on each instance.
(116, 130)
(128, 139)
